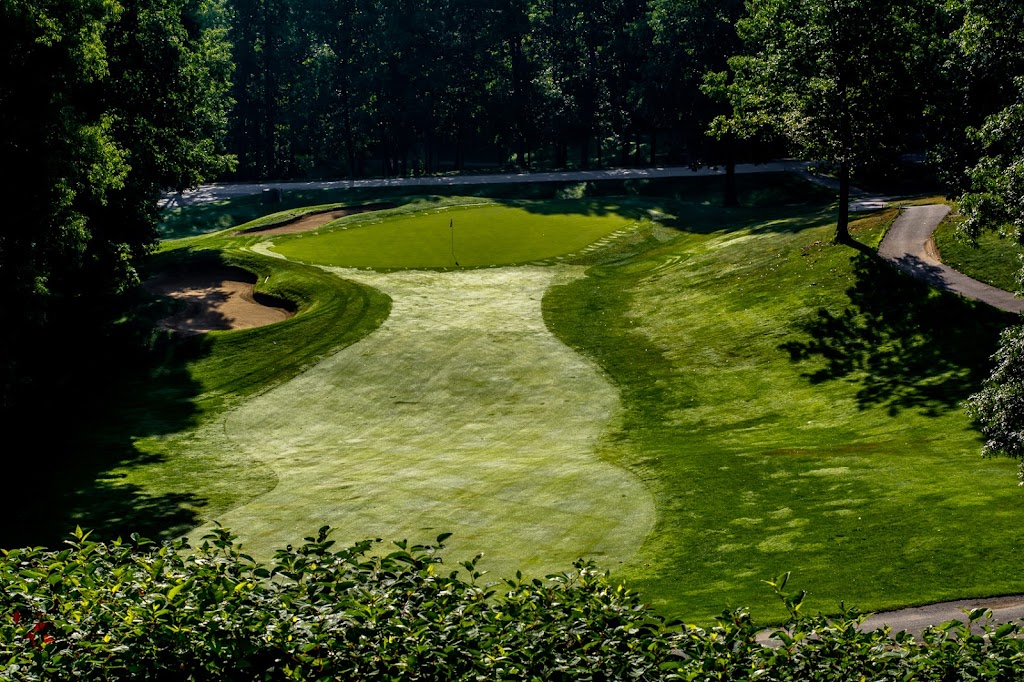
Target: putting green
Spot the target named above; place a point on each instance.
(462, 413)
(471, 236)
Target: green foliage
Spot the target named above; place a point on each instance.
(130, 611)
(834, 78)
(142, 611)
(103, 104)
(999, 406)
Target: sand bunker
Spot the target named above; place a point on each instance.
(216, 300)
(311, 221)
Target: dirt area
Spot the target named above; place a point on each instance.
(216, 300)
(311, 221)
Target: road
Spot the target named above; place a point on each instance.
(221, 191)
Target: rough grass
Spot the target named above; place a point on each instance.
(992, 259)
(793, 406)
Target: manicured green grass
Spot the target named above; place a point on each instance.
(458, 236)
(786, 405)
(992, 259)
(793, 406)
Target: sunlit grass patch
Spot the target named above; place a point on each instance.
(458, 236)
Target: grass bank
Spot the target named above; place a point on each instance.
(793, 406)
(992, 259)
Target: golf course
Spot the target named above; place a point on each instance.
(696, 398)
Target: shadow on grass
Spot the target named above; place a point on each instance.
(905, 344)
(132, 384)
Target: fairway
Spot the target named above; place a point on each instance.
(457, 236)
(462, 413)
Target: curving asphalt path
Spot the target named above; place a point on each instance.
(915, 620)
(909, 246)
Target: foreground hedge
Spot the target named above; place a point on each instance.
(144, 611)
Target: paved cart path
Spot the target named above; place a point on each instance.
(222, 191)
(909, 246)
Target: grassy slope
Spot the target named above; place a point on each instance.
(142, 475)
(851, 465)
(993, 259)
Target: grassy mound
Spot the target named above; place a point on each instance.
(793, 405)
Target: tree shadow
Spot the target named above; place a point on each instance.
(130, 384)
(905, 344)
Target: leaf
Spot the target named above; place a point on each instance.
(1004, 630)
(978, 614)
(174, 591)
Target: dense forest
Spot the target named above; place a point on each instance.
(361, 86)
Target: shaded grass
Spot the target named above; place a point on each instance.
(125, 466)
(792, 405)
(992, 259)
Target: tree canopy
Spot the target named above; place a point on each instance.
(833, 77)
(103, 104)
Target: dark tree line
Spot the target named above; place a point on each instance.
(394, 87)
(102, 106)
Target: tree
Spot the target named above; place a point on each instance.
(990, 43)
(833, 78)
(990, 57)
(690, 39)
(102, 104)
(999, 407)
(978, 53)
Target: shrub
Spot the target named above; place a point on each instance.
(145, 611)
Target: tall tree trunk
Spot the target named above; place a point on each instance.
(731, 197)
(843, 224)
(350, 150)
